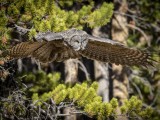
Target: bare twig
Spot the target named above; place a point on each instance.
(122, 27)
(137, 88)
(83, 68)
(21, 30)
(128, 15)
(155, 98)
(141, 31)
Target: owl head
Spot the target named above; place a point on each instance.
(76, 39)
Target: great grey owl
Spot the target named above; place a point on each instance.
(75, 43)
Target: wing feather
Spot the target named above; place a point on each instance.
(100, 49)
(24, 49)
(67, 55)
(111, 51)
(44, 51)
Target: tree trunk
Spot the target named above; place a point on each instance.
(101, 74)
(120, 33)
(71, 72)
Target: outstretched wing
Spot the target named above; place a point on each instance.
(106, 50)
(43, 51)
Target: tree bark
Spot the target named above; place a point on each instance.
(102, 74)
(119, 32)
(71, 72)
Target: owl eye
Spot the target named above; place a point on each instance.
(75, 42)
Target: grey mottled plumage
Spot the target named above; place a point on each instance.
(76, 43)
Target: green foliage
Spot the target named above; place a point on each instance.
(70, 3)
(147, 5)
(134, 107)
(100, 16)
(44, 15)
(3, 23)
(85, 97)
(13, 105)
(145, 86)
(146, 83)
(59, 93)
(32, 33)
(41, 82)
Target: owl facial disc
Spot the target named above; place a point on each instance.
(76, 39)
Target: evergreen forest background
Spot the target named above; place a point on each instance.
(80, 89)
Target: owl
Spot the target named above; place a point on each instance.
(75, 43)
